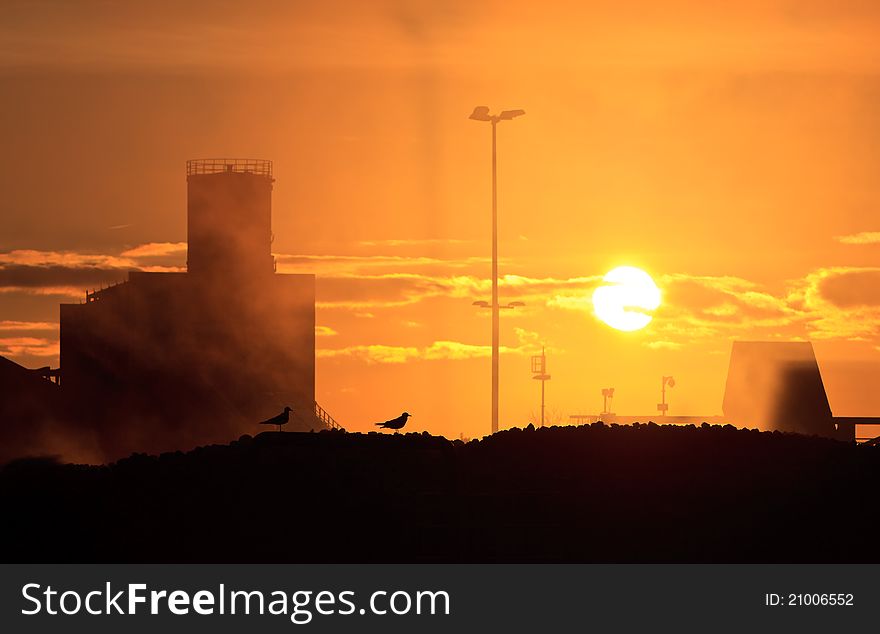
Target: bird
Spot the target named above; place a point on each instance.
(281, 419)
(395, 423)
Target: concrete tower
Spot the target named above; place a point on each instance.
(229, 217)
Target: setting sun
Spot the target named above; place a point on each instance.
(626, 298)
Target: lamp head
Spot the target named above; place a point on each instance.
(480, 113)
(510, 114)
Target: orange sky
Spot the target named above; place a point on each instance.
(730, 152)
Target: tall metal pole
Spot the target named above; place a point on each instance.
(481, 113)
(495, 307)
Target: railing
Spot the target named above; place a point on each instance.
(261, 167)
(96, 294)
(325, 418)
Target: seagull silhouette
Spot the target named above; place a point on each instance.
(281, 419)
(395, 423)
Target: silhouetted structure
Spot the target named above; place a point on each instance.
(481, 113)
(229, 217)
(28, 406)
(171, 360)
(778, 385)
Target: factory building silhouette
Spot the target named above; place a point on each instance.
(173, 360)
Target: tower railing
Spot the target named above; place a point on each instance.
(261, 167)
(325, 418)
(98, 293)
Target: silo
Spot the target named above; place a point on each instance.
(229, 217)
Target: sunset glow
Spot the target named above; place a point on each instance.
(731, 151)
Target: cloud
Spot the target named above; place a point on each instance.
(155, 249)
(59, 292)
(325, 331)
(128, 259)
(353, 282)
(8, 325)
(865, 237)
(840, 303)
(720, 301)
(828, 303)
(437, 350)
(399, 289)
(66, 259)
(69, 273)
(457, 350)
(664, 345)
(53, 276)
(848, 287)
(702, 307)
(411, 242)
(340, 265)
(375, 353)
(29, 346)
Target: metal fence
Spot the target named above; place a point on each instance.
(260, 167)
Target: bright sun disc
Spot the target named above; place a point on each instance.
(626, 298)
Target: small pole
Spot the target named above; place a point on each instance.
(542, 403)
(539, 369)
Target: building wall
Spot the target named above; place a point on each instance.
(229, 224)
(174, 360)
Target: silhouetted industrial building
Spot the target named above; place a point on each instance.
(778, 385)
(168, 361)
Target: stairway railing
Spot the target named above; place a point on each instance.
(325, 418)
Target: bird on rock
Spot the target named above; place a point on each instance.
(282, 419)
(395, 423)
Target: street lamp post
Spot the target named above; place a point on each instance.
(539, 370)
(481, 113)
(663, 406)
